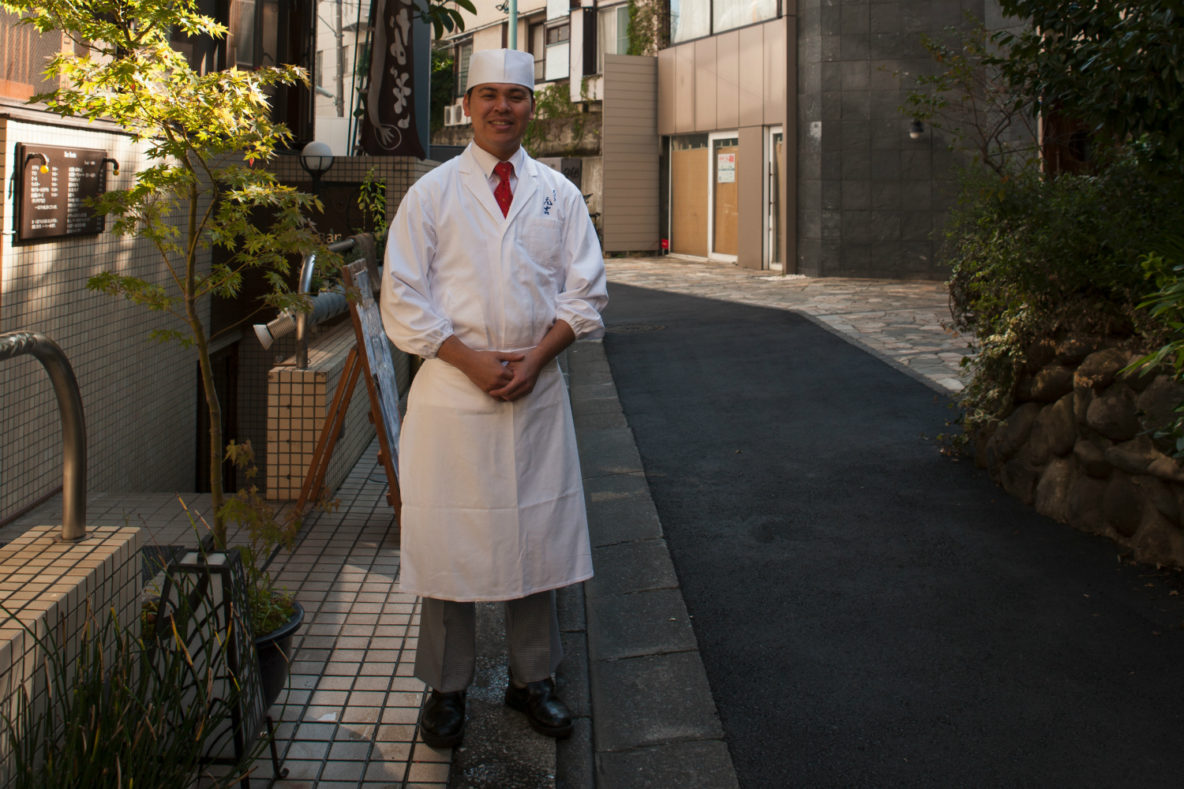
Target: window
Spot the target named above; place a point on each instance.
(463, 53)
(559, 34)
(25, 53)
(691, 19)
(558, 51)
(730, 14)
(538, 48)
(614, 33)
(242, 33)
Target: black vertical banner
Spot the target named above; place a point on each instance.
(388, 121)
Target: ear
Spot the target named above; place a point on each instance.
(464, 102)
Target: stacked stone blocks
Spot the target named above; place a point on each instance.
(1086, 445)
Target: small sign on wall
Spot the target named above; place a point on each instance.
(54, 185)
(725, 172)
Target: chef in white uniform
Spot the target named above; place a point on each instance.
(491, 271)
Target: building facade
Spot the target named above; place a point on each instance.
(771, 129)
(787, 148)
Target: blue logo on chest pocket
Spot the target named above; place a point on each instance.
(548, 204)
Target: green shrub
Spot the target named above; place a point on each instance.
(1033, 257)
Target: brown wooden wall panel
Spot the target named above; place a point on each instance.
(667, 91)
(750, 176)
(629, 143)
(704, 84)
(777, 75)
(752, 76)
(727, 81)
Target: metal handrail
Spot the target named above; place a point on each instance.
(307, 268)
(65, 387)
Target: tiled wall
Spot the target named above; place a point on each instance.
(298, 404)
(50, 585)
(871, 200)
(138, 395)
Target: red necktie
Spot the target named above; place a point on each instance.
(503, 170)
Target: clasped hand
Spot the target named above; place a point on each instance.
(504, 376)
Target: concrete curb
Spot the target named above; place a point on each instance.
(653, 720)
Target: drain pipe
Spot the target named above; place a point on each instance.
(65, 387)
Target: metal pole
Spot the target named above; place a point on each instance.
(307, 268)
(65, 387)
(513, 24)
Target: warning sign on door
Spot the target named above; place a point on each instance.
(725, 170)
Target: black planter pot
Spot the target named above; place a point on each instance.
(275, 655)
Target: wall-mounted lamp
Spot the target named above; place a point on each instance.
(916, 130)
(44, 168)
(115, 169)
(316, 158)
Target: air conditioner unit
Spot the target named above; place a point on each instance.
(454, 115)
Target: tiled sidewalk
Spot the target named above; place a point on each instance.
(348, 717)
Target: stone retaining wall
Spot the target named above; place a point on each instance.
(1081, 447)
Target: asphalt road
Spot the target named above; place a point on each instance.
(869, 611)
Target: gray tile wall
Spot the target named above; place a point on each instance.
(871, 200)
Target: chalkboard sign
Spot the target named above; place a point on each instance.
(378, 366)
(53, 204)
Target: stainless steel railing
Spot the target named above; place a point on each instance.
(65, 387)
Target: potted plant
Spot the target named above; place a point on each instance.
(274, 613)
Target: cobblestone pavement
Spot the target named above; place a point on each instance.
(905, 322)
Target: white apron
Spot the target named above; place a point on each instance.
(493, 504)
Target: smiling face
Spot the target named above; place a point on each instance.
(500, 113)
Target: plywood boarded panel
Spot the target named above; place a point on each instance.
(726, 219)
(630, 148)
(688, 201)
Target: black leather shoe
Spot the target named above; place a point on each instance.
(546, 713)
(443, 720)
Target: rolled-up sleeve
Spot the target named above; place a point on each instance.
(409, 312)
(585, 289)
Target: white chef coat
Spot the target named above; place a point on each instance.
(493, 503)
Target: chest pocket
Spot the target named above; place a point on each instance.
(542, 238)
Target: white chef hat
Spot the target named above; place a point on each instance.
(511, 66)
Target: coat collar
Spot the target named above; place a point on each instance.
(475, 176)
